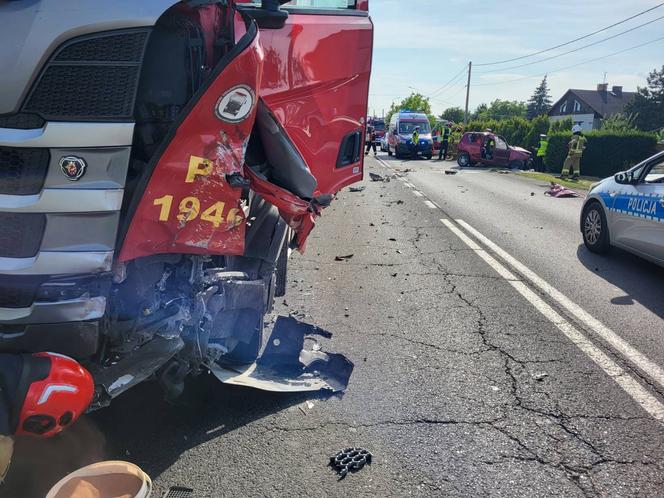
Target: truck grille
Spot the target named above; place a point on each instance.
(21, 121)
(21, 234)
(91, 78)
(18, 292)
(23, 170)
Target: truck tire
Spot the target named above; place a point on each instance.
(594, 228)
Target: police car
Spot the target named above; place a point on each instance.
(627, 211)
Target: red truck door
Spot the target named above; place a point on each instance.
(316, 83)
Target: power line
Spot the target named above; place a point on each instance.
(573, 41)
(576, 49)
(573, 65)
(438, 90)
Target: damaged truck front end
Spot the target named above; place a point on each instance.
(158, 163)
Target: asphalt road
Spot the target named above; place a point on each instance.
(468, 381)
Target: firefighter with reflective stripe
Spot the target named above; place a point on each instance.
(541, 153)
(576, 146)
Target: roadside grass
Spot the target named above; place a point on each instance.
(583, 182)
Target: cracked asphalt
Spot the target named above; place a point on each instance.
(461, 387)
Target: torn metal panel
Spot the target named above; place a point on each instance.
(285, 366)
(298, 213)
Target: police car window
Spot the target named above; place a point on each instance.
(656, 173)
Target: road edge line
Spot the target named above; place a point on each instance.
(645, 364)
(631, 386)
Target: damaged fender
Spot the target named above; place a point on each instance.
(285, 366)
(192, 201)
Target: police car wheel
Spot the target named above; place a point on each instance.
(463, 160)
(595, 230)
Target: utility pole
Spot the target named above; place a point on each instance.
(470, 69)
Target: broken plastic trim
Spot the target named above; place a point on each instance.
(285, 366)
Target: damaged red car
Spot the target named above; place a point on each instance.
(159, 162)
(486, 148)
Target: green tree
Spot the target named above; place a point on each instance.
(454, 114)
(648, 104)
(501, 109)
(564, 125)
(540, 102)
(414, 102)
(619, 123)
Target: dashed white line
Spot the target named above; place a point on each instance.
(430, 204)
(417, 193)
(630, 385)
(613, 339)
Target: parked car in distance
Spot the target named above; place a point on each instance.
(400, 133)
(472, 149)
(383, 144)
(627, 211)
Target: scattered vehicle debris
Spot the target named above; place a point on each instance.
(286, 366)
(350, 460)
(557, 190)
(375, 178)
(451, 172)
(357, 189)
(539, 377)
(344, 258)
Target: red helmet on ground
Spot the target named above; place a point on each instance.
(57, 391)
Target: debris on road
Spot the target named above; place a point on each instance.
(344, 258)
(539, 377)
(350, 460)
(375, 178)
(357, 189)
(504, 172)
(559, 191)
(451, 172)
(286, 366)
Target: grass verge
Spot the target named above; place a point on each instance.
(583, 182)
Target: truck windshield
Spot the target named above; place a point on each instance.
(408, 127)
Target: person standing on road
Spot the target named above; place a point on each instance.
(576, 146)
(415, 141)
(541, 154)
(371, 140)
(445, 142)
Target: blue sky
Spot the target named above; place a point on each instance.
(422, 44)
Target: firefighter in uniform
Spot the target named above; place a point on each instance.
(416, 141)
(577, 145)
(541, 154)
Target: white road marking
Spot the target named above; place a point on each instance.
(628, 351)
(630, 385)
(417, 193)
(430, 204)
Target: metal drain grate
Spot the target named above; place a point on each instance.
(179, 492)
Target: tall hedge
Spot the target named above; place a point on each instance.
(606, 153)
